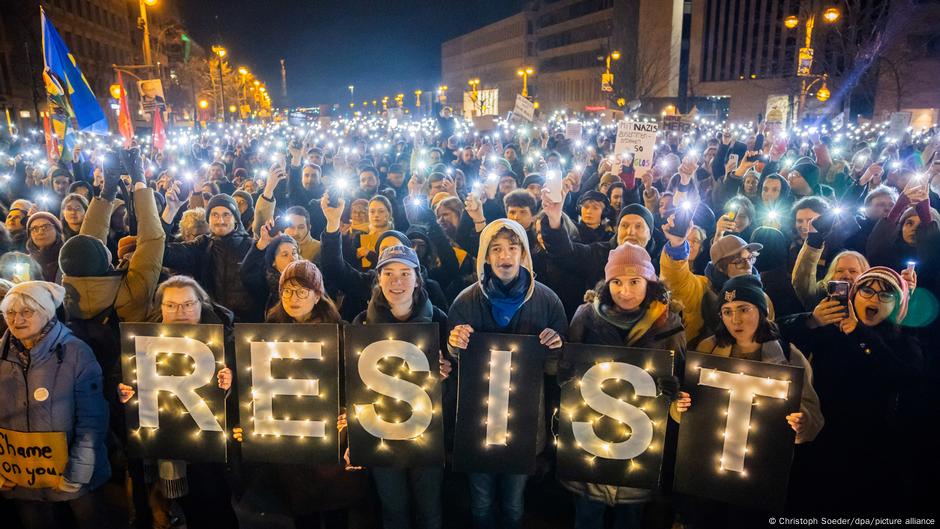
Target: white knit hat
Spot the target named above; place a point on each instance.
(48, 296)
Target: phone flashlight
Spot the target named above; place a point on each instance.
(772, 215)
(911, 265)
(837, 210)
(492, 177)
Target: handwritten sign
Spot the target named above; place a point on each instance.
(640, 140)
(34, 460)
(524, 108)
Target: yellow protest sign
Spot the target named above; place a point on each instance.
(34, 460)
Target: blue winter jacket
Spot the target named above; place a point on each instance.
(66, 367)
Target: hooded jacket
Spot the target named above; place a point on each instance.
(130, 290)
(541, 309)
(67, 368)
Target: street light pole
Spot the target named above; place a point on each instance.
(525, 72)
(804, 64)
(220, 52)
(148, 59)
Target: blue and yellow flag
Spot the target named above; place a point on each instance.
(65, 84)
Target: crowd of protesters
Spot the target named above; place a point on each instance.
(810, 247)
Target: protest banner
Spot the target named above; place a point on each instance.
(573, 131)
(151, 95)
(898, 124)
(524, 108)
(33, 460)
(499, 387)
(288, 382)
(640, 140)
(735, 444)
(612, 419)
(393, 395)
(178, 409)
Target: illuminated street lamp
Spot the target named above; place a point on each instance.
(791, 22)
(115, 90)
(823, 93)
(145, 26)
(442, 93)
(804, 64)
(831, 15)
(220, 52)
(607, 78)
(525, 72)
(352, 95)
(418, 98)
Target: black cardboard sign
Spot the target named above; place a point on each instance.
(178, 410)
(718, 456)
(288, 386)
(496, 432)
(612, 422)
(393, 395)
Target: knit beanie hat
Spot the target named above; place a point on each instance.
(629, 259)
(84, 256)
(246, 196)
(48, 296)
(533, 178)
(891, 278)
(305, 273)
(126, 245)
(637, 209)
(596, 196)
(401, 237)
(56, 223)
(225, 201)
(911, 211)
(747, 287)
(809, 171)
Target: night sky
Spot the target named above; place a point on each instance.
(381, 47)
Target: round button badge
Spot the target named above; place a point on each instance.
(41, 394)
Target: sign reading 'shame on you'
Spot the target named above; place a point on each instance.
(288, 380)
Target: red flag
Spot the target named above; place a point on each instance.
(125, 127)
(52, 144)
(159, 134)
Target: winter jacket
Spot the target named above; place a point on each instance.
(540, 310)
(130, 290)
(659, 328)
(66, 367)
(48, 259)
(215, 262)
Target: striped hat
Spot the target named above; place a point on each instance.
(888, 277)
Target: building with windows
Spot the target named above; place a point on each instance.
(567, 43)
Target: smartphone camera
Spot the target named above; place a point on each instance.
(838, 291)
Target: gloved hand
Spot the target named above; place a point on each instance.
(668, 386)
(112, 182)
(131, 159)
(69, 487)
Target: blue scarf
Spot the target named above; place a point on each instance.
(505, 300)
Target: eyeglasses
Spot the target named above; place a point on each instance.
(188, 306)
(743, 311)
(25, 313)
(741, 261)
(884, 296)
(300, 293)
(42, 228)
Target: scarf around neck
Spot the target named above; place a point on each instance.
(635, 323)
(505, 299)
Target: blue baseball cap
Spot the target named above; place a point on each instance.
(398, 254)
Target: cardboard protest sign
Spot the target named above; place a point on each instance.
(612, 420)
(735, 444)
(573, 130)
(499, 385)
(33, 460)
(178, 410)
(524, 108)
(393, 395)
(640, 140)
(898, 124)
(288, 387)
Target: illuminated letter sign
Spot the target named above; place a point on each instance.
(178, 408)
(500, 388)
(393, 395)
(612, 422)
(289, 390)
(735, 444)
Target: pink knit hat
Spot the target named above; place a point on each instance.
(889, 277)
(629, 259)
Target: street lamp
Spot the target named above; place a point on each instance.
(804, 64)
(418, 98)
(115, 90)
(442, 93)
(607, 78)
(352, 95)
(525, 72)
(244, 73)
(146, 28)
(220, 51)
(474, 92)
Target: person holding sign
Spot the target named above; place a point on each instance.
(507, 299)
(868, 373)
(629, 308)
(51, 382)
(745, 332)
(399, 297)
(182, 300)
